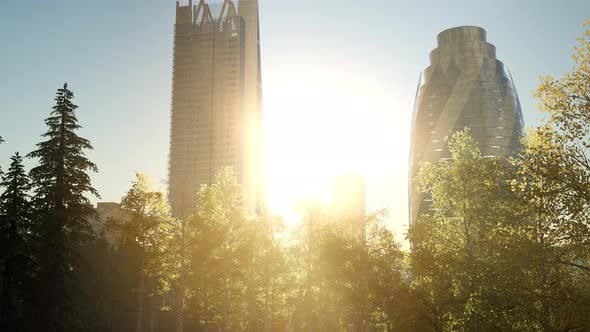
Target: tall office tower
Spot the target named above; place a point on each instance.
(248, 10)
(465, 86)
(216, 116)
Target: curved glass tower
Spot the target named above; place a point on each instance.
(464, 86)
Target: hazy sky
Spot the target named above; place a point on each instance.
(339, 80)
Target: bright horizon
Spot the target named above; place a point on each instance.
(338, 83)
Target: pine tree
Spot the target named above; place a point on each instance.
(1, 141)
(14, 227)
(60, 182)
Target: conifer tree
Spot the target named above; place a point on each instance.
(62, 210)
(14, 252)
(1, 141)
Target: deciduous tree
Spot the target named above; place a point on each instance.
(149, 234)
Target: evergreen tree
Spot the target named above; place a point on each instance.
(1, 141)
(14, 252)
(62, 210)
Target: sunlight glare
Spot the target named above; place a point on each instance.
(320, 124)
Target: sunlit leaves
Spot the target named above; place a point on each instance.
(461, 247)
(148, 227)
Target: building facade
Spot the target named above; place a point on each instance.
(216, 118)
(465, 86)
(108, 212)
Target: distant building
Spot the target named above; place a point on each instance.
(216, 116)
(348, 203)
(348, 196)
(105, 212)
(464, 86)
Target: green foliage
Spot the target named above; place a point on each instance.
(349, 273)
(15, 253)
(60, 183)
(14, 201)
(1, 141)
(554, 179)
(150, 227)
(149, 235)
(504, 247)
(226, 258)
(471, 201)
(494, 251)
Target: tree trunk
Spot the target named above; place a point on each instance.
(545, 323)
(55, 237)
(225, 292)
(266, 298)
(364, 278)
(55, 280)
(153, 306)
(206, 306)
(3, 296)
(140, 298)
(309, 295)
(181, 283)
(267, 277)
(271, 305)
(253, 318)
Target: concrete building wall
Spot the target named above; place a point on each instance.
(106, 212)
(248, 10)
(213, 117)
(465, 86)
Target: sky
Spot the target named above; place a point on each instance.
(339, 81)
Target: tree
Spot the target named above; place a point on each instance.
(15, 255)
(149, 234)
(60, 183)
(554, 177)
(1, 141)
(222, 246)
(349, 272)
(453, 244)
(495, 252)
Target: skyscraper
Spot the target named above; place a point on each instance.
(465, 86)
(216, 116)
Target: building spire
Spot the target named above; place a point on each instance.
(227, 10)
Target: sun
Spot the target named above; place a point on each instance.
(320, 125)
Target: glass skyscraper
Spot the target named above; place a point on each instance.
(465, 86)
